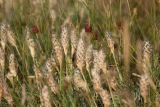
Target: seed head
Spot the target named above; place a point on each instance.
(52, 83)
(146, 57)
(74, 40)
(38, 74)
(65, 39)
(50, 64)
(105, 97)
(45, 97)
(57, 48)
(96, 80)
(89, 57)
(80, 55)
(99, 60)
(144, 87)
(7, 95)
(2, 59)
(11, 37)
(3, 34)
(110, 42)
(79, 82)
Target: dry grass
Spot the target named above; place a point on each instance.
(79, 53)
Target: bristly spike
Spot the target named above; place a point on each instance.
(79, 82)
(65, 38)
(45, 98)
(144, 83)
(89, 57)
(58, 49)
(105, 97)
(3, 34)
(74, 40)
(2, 59)
(80, 54)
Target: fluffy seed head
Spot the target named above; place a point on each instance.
(2, 59)
(144, 87)
(57, 48)
(11, 37)
(146, 63)
(50, 64)
(74, 40)
(38, 74)
(80, 55)
(79, 82)
(96, 79)
(99, 60)
(7, 95)
(89, 57)
(105, 98)
(52, 83)
(146, 57)
(110, 42)
(45, 97)
(96, 59)
(65, 39)
(3, 35)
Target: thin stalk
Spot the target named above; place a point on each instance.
(120, 76)
(88, 88)
(110, 90)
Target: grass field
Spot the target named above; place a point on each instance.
(79, 53)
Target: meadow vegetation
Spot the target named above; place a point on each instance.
(80, 53)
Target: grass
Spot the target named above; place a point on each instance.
(127, 32)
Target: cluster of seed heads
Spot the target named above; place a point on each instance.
(86, 56)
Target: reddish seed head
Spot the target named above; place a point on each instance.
(88, 28)
(35, 29)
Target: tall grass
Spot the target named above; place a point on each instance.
(79, 53)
